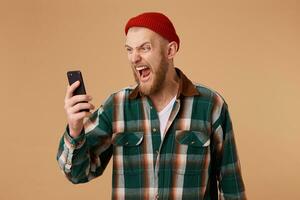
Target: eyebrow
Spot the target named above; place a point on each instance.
(126, 45)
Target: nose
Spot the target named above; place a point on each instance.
(135, 57)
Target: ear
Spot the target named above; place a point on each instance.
(172, 49)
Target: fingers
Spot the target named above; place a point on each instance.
(80, 106)
(79, 116)
(71, 89)
(76, 99)
(74, 106)
(75, 114)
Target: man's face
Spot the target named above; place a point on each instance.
(147, 55)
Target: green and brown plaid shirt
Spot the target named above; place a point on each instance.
(197, 158)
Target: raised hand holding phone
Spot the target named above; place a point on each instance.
(77, 105)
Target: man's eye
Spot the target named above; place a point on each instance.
(146, 48)
(129, 50)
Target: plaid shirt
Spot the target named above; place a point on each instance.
(197, 158)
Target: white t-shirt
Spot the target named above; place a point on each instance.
(164, 115)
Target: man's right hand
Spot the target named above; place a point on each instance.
(73, 107)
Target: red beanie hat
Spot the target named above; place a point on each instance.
(157, 22)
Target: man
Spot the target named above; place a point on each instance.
(169, 138)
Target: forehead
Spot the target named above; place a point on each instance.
(139, 35)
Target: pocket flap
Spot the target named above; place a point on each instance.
(192, 138)
(127, 138)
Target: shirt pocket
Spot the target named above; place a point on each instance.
(127, 152)
(192, 152)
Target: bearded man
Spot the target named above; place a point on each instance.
(168, 137)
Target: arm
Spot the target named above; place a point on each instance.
(228, 170)
(86, 156)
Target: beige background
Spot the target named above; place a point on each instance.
(246, 50)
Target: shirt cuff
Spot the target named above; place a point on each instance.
(74, 143)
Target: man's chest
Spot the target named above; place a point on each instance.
(138, 144)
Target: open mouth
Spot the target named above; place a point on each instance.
(144, 72)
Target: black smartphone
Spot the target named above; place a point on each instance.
(74, 76)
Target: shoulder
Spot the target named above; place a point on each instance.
(120, 96)
(124, 93)
(209, 94)
(217, 103)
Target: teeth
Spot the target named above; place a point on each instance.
(141, 68)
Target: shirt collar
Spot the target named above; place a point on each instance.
(186, 87)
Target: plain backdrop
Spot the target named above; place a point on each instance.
(248, 51)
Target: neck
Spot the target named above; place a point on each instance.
(168, 90)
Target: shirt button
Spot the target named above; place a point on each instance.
(154, 129)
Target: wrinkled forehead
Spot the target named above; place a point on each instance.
(137, 36)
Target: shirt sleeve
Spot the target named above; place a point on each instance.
(85, 157)
(228, 169)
